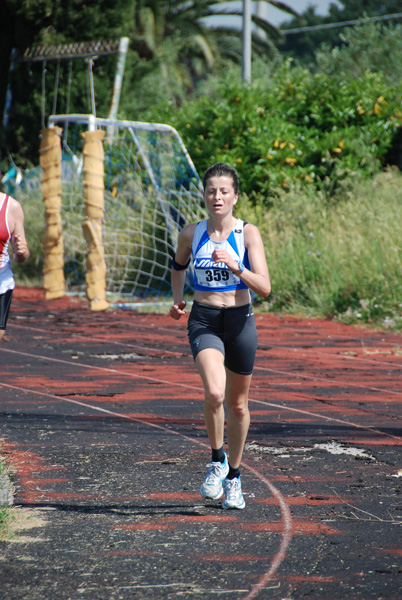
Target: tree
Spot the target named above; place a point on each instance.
(52, 22)
(302, 46)
(175, 43)
(370, 47)
(171, 47)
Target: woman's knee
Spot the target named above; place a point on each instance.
(214, 397)
(239, 409)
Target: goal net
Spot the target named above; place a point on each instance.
(152, 190)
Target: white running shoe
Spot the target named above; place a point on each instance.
(212, 486)
(233, 494)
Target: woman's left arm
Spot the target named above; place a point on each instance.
(18, 240)
(257, 277)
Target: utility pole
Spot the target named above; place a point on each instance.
(118, 82)
(262, 14)
(246, 38)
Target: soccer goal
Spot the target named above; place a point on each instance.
(151, 190)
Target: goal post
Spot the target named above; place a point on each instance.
(50, 160)
(93, 167)
(151, 190)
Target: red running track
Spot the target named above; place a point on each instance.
(321, 468)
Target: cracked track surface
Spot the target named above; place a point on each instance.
(101, 422)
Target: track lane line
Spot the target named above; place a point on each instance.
(256, 368)
(104, 340)
(327, 379)
(299, 351)
(199, 388)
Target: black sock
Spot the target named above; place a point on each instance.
(233, 473)
(218, 455)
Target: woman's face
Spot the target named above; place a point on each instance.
(219, 195)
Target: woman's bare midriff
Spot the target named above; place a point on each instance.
(223, 299)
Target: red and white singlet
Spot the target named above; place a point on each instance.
(6, 274)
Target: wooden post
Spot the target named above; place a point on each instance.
(93, 224)
(53, 245)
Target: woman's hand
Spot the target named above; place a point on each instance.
(20, 248)
(177, 310)
(223, 256)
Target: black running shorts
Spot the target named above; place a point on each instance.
(5, 303)
(230, 330)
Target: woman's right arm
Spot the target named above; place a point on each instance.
(178, 277)
(18, 240)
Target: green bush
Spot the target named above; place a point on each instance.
(290, 125)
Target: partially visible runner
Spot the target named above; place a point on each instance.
(229, 259)
(11, 230)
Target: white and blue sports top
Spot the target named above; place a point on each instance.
(216, 276)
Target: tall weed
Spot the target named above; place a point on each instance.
(30, 197)
(339, 259)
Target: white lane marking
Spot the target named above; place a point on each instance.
(199, 388)
(299, 351)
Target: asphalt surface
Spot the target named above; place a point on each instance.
(101, 422)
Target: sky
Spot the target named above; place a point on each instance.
(275, 16)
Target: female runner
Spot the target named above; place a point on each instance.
(228, 258)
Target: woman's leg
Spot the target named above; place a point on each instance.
(210, 365)
(5, 302)
(238, 421)
(237, 387)
(211, 368)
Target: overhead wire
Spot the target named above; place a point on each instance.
(341, 24)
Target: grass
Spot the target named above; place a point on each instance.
(5, 511)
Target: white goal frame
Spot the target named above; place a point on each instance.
(168, 205)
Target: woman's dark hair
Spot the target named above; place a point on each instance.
(222, 170)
